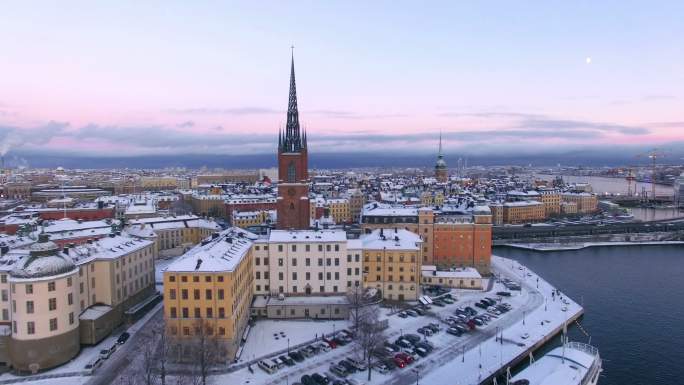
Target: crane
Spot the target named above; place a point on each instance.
(653, 155)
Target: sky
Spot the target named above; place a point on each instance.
(132, 78)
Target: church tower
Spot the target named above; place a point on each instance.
(293, 168)
(441, 172)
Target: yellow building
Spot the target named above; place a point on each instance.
(551, 200)
(523, 212)
(586, 202)
(207, 294)
(159, 182)
(174, 234)
(391, 263)
(244, 219)
(339, 210)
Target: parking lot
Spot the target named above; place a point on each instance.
(418, 338)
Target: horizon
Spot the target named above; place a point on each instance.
(212, 81)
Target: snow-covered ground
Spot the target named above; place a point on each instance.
(455, 360)
(268, 336)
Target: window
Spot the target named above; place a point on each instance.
(3, 278)
(222, 312)
(308, 276)
(337, 261)
(52, 303)
(294, 261)
(280, 261)
(29, 289)
(220, 294)
(320, 247)
(30, 327)
(294, 247)
(210, 312)
(320, 261)
(280, 248)
(207, 278)
(337, 247)
(294, 275)
(51, 286)
(69, 282)
(195, 278)
(257, 275)
(173, 312)
(5, 296)
(53, 324)
(184, 293)
(220, 278)
(280, 275)
(327, 247)
(196, 294)
(29, 307)
(71, 318)
(70, 299)
(307, 261)
(184, 278)
(257, 261)
(172, 294)
(186, 313)
(197, 313)
(208, 294)
(307, 248)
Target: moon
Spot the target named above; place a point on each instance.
(588, 59)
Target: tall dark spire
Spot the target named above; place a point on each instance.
(293, 139)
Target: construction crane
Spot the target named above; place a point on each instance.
(653, 155)
(631, 178)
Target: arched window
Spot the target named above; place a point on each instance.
(291, 173)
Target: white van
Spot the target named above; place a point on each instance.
(268, 366)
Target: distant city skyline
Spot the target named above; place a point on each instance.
(511, 79)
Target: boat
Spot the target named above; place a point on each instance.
(573, 363)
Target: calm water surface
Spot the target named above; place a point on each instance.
(634, 302)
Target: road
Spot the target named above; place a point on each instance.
(124, 356)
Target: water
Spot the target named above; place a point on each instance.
(634, 309)
(603, 185)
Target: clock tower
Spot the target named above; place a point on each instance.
(293, 169)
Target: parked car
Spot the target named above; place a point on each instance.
(402, 314)
(504, 293)
(338, 370)
(307, 380)
(297, 356)
(421, 352)
(413, 338)
(268, 366)
(320, 379)
(330, 342)
(399, 362)
(419, 311)
(94, 365)
(287, 360)
(405, 357)
(123, 338)
(381, 367)
(105, 353)
(412, 313)
(454, 331)
(360, 366)
(347, 366)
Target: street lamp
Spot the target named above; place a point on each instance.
(414, 370)
(288, 346)
(523, 317)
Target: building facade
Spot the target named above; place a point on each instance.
(207, 294)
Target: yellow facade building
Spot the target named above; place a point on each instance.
(207, 294)
(391, 263)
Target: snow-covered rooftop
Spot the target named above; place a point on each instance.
(289, 236)
(391, 239)
(220, 253)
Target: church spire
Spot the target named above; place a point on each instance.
(440, 143)
(293, 140)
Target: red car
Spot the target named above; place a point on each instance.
(399, 362)
(330, 343)
(404, 357)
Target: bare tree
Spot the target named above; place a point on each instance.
(370, 334)
(206, 349)
(355, 297)
(163, 352)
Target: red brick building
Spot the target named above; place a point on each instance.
(293, 169)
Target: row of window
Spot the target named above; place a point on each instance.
(208, 294)
(195, 278)
(185, 312)
(31, 325)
